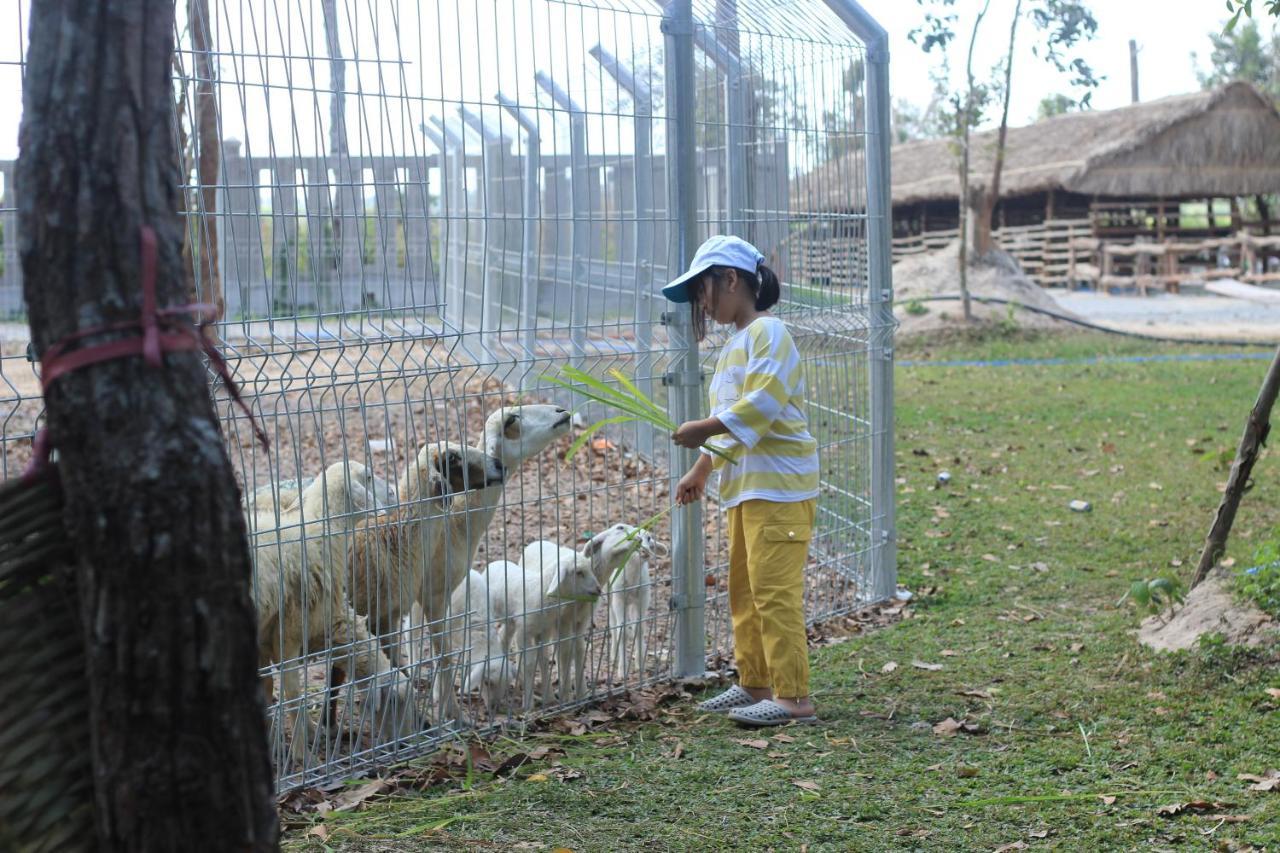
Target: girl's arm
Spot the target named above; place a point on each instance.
(696, 433)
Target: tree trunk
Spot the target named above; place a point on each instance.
(966, 119)
(151, 507)
(1255, 436)
(983, 240)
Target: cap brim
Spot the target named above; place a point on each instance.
(678, 290)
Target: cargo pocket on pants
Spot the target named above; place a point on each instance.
(785, 533)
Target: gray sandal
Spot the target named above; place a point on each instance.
(766, 712)
(734, 697)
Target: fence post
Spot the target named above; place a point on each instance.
(737, 116)
(457, 216)
(494, 150)
(688, 590)
(643, 244)
(580, 236)
(884, 547)
(529, 243)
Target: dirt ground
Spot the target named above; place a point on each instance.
(1210, 608)
(918, 277)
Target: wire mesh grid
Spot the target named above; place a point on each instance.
(412, 214)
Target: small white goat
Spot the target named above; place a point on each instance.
(300, 596)
(474, 626)
(607, 553)
(537, 603)
(629, 592)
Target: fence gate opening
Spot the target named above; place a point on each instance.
(413, 214)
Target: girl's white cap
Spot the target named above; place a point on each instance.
(723, 250)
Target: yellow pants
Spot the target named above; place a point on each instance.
(768, 548)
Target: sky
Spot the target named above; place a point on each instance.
(1168, 31)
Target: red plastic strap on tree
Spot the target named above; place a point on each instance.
(151, 346)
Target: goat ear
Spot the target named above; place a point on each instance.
(511, 425)
(594, 546)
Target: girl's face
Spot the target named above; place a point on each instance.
(719, 297)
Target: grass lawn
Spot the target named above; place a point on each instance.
(1016, 599)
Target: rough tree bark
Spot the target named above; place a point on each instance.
(1256, 429)
(983, 241)
(151, 507)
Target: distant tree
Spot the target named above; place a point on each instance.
(1056, 105)
(1245, 7)
(1062, 25)
(1242, 53)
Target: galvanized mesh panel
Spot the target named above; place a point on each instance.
(421, 210)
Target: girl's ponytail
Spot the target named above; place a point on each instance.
(769, 291)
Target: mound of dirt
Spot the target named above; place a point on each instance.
(919, 277)
(1210, 609)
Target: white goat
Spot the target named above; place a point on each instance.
(513, 435)
(537, 603)
(629, 592)
(392, 556)
(607, 551)
(300, 596)
(474, 626)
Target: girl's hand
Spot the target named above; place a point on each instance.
(693, 486)
(694, 434)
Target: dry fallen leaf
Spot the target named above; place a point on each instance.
(949, 653)
(1273, 692)
(784, 738)
(966, 772)
(1016, 845)
(947, 728)
(1041, 833)
(991, 558)
(1270, 781)
(932, 667)
(1107, 799)
(756, 743)
(318, 831)
(536, 777)
(976, 694)
(1193, 806)
(355, 797)
(890, 666)
(806, 784)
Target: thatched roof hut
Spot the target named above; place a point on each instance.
(1221, 142)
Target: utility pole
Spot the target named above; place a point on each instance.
(1133, 70)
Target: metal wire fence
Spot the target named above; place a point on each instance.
(413, 213)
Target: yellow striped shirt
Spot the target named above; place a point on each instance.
(758, 394)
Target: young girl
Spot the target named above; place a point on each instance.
(757, 419)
